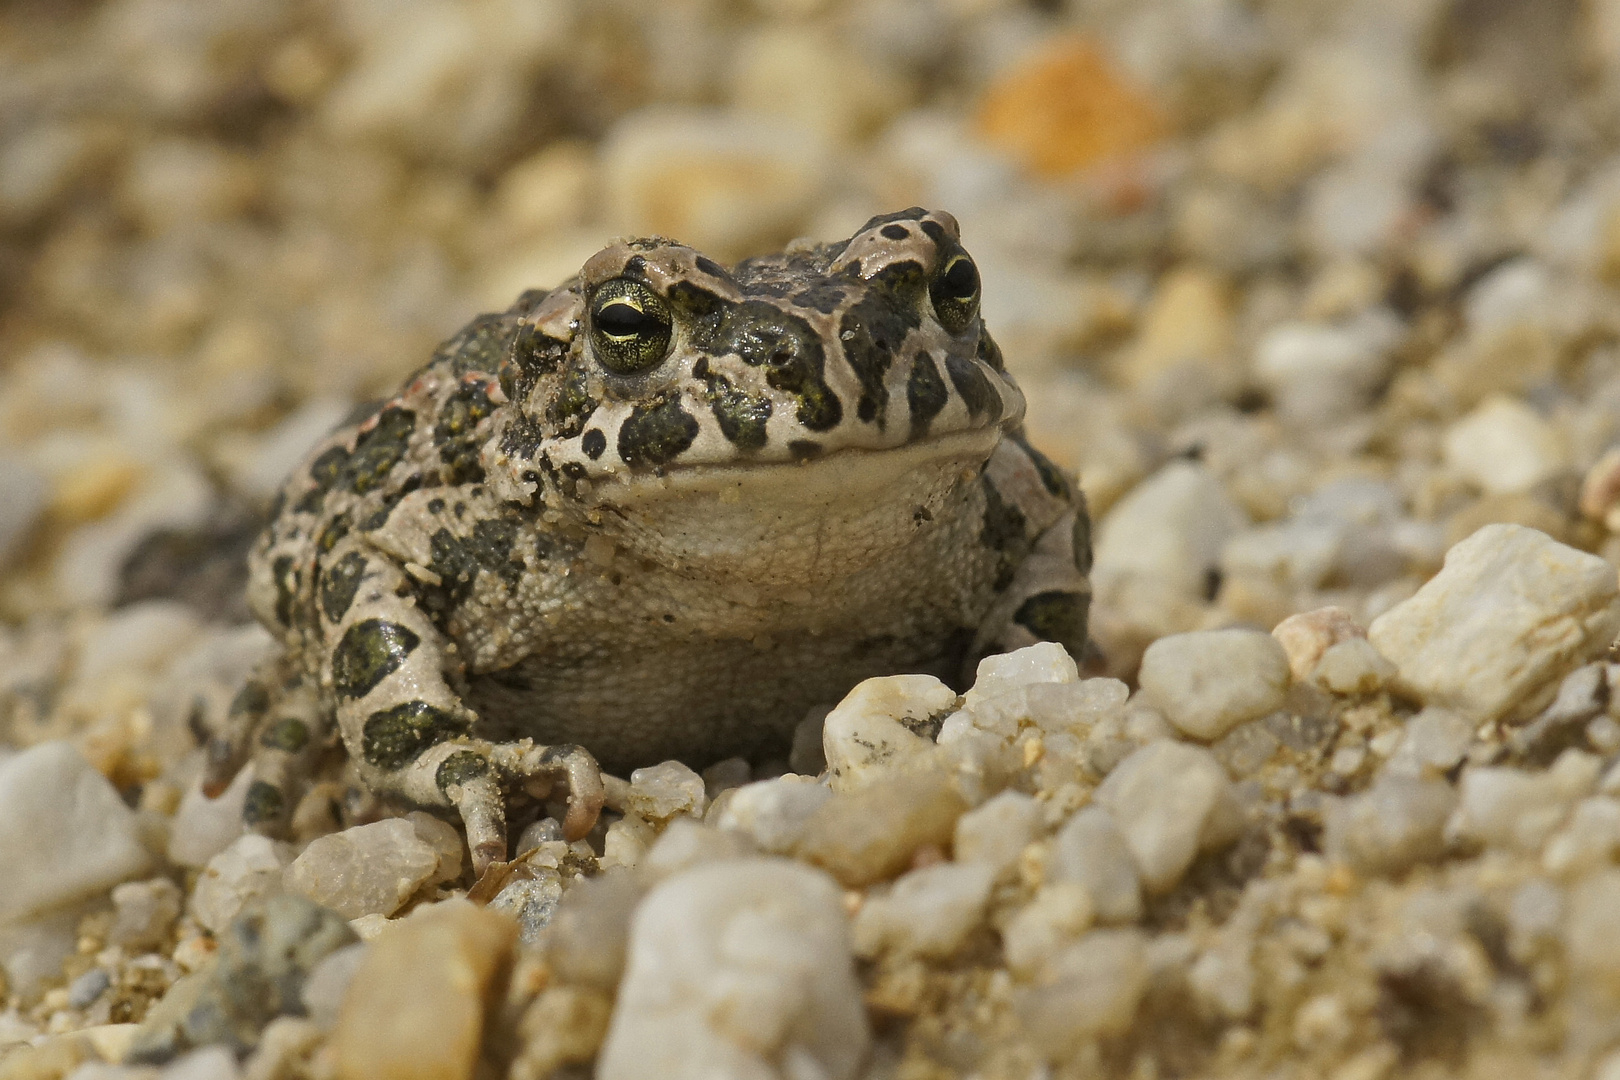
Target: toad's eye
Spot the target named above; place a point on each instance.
(630, 326)
(955, 292)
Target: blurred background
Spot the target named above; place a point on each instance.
(1303, 289)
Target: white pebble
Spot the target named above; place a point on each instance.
(1352, 667)
(1496, 629)
(1518, 809)
(927, 912)
(246, 870)
(734, 967)
(997, 832)
(774, 812)
(1208, 682)
(64, 832)
(366, 870)
(1090, 851)
(204, 827)
(883, 727)
(1089, 990)
(1306, 636)
(1059, 912)
(660, 792)
(1395, 823)
(1171, 801)
(1504, 446)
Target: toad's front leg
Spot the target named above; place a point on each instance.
(408, 732)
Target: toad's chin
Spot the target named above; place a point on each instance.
(854, 501)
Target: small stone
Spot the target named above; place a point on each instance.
(1505, 447)
(686, 843)
(1588, 842)
(927, 912)
(1494, 631)
(328, 982)
(531, 899)
(883, 727)
(1158, 550)
(444, 839)
(143, 913)
(1396, 823)
(1059, 913)
(23, 494)
(1352, 667)
(1171, 801)
(1320, 373)
(1067, 107)
(1306, 636)
(870, 835)
(1043, 662)
(1089, 990)
(1209, 681)
(1582, 696)
(264, 957)
(775, 813)
(206, 1063)
(417, 1003)
(588, 935)
(1186, 337)
(64, 832)
(1434, 742)
(565, 1025)
(660, 792)
(1091, 851)
(996, 832)
(204, 827)
(83, 991)
(735, 966)
(249, 869)
(1517, 809)
(626, 841)
(1246, 748)
(369, 869)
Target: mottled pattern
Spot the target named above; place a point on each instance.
(657, 512)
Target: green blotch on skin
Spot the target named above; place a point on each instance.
(656, 434)
(289, 735)
(378, 450)
(264, 803)
(339, 583)
(371, 650)
(252, 700)
(459, 769)
(393, 738)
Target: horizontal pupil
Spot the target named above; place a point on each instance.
(962, 279)
(624, 320)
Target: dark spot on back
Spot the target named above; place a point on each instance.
(873, 330)
(324, 471)
(1004, 532)
(742, 416)
(264, 803)
(481, 345)
(973, 386)
(935, 231)
(252, 700)
(593, 442)
(370, 651)
(339, 583)
(1052, 478)
(572, 405)
(763, 335)
(459, 769)
(1081, 535)
(656, 433)
(393, 738)
(456, 433)
(823, 296)
(710, 267)
(896, 232)
(289, 735)
(378, 450)
(534, 354)
(925, 394)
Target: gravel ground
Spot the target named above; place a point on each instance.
(1317, 298)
